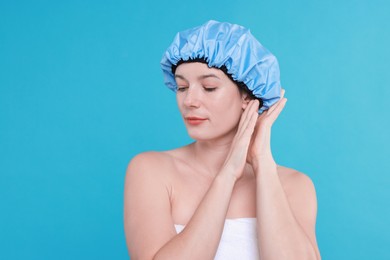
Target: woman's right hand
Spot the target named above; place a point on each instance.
(237, 156)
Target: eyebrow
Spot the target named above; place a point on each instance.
(211, 75)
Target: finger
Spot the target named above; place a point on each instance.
(244, 114)
(253, 119)
(245, 131)
(245, 137)
(278, 105)
(269, 118)
(251, 107)
(240, 145)
(272, 108)
(278, 109)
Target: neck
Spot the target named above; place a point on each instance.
(211, 154)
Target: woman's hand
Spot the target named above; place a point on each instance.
(252, 140)
(260, 146)
(236, 159)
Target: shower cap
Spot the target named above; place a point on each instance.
(232, 46)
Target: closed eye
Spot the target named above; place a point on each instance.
(181, 89)
(208, 89)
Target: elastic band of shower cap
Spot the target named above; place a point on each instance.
(232, 46)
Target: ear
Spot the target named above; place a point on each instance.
(245, 98)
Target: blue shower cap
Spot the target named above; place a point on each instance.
(232, 46)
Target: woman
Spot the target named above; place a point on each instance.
(222, 196)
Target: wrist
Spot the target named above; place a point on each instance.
(265, 161)
(227, 175)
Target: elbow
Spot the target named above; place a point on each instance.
(306, 253)
(311, 254)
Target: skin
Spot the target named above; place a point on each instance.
(228, 172)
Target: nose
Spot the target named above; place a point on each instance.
(192, 97)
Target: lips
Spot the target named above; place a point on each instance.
(194, 120)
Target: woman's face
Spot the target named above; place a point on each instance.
(210, 103)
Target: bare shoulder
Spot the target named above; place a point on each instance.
(150, 165)
(147, 172)
(294, 181)
(147, 203)
(301, 195)
(153, 159)
(149, 160)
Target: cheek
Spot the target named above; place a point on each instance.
(229, 109)
(179, 101)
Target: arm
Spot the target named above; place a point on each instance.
(286, 211)
(149, 227)
(285, 203)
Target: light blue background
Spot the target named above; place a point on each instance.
(81, 93)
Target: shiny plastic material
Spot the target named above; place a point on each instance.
(233, 46)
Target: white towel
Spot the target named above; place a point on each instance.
(238, 241)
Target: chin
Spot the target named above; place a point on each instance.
(200, 137)
(207, 136)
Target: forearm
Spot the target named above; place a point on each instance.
(280, 235)
(201, 236)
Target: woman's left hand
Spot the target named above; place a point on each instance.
(260, 147)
